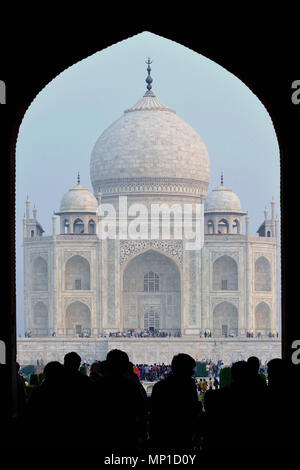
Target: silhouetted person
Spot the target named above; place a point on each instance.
(174, 407)
(95, 372)
(235, 414)
(283, 405)
(45, 418)
(257, 383)
(21, 393)
(121, 405)
(79, 390)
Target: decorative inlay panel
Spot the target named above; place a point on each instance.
(129, 248)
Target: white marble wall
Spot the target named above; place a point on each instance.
(147, 351)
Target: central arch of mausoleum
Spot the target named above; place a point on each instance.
(151, 293)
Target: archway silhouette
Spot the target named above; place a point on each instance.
(275, 96)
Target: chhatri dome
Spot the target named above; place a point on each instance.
(149, 141)
(78, 199)
(222, 199)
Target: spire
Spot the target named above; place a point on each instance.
(78, 178)
(149, 79)
(27, 207)
(222, 178)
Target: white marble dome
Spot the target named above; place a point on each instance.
(78, 199)
(149, 141)
(222, 199)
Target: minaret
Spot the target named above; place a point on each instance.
(273, 217)
(54, 226)
(27, 208)
(247, 218)
(24, 227)
(266, 219)
(276, 226)
(34, 212)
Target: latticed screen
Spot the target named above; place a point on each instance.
(151, 320)
(151, 282)
(224, 284)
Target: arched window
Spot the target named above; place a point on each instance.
(151, 282)
(210, 227)
(66, 226)
(262, 274)
(236, 226)
(39, 274)
(225, 319)
(263, 317)
(223, 226)
(91, 226)
(151, 320)
(225, 274)
(78, 319)
(77, 274)
(40, 318)
(78, 226)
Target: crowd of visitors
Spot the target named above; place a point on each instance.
(157, 333)
(250, 334)
(108, 408)
(146, 333)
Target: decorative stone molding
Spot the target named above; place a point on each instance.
(42, 298)
(39, 254)
(218, 254)
(218, 300)
(123, 186)
(67, 301)
(84, 254)
(81, 238)
(257, 255)
(233, 237)
(259, 300)
(130, 248)
(38, 239)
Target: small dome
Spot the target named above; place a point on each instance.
(222, 199)
(79, 199)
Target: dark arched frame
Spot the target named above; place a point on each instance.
(266, 65)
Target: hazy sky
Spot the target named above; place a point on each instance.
(66, 118)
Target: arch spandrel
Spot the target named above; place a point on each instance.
(172, 249)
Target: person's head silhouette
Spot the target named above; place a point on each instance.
(72, 361)
(183, 365)
(53, 371)
(117, 361)
(239, 372)
(253, 364)
(277, 369)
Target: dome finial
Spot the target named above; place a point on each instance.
(78, 178)
(222, 178)
(149, 79)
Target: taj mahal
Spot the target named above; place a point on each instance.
(219, 301)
